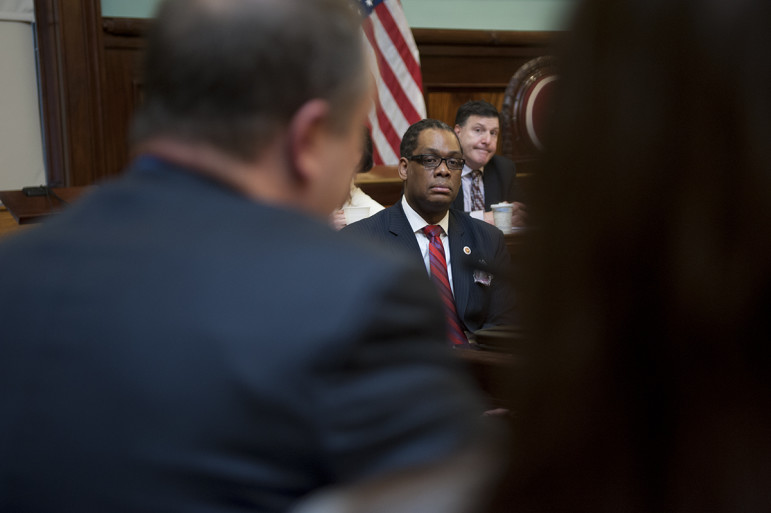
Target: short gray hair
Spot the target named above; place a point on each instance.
(232, 73)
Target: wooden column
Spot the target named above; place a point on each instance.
(69, 39)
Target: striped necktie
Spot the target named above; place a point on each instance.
(477, 191)
(441, 279)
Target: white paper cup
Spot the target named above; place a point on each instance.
(502, 213)
(353, 214)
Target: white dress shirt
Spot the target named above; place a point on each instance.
(359, 198)
(417, 224)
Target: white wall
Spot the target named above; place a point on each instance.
(448, 14)
(17, 10)
(21, 148)
(488, 14)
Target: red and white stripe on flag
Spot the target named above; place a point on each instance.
(396, 68)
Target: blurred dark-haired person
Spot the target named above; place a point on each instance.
(487, 178)
(473, 255)
(359, 203)
(193, 336)
(650, 304)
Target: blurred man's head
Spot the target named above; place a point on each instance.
(430, 165)
(240, 76)
(477, 126)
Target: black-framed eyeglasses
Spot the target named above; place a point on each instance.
(434, 161)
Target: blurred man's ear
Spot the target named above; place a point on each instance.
(307, 134)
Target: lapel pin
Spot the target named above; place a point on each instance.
(467, 250)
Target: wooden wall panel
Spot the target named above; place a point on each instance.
(123, 45)
(91, 82)
(443, 105)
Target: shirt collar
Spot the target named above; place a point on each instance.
(417, 223)
(467, 171)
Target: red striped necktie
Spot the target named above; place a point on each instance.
(441, 279)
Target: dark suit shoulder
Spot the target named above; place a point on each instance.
(389, 229)
(374, 223)
(475, 226)
(500, 181)
(501, 164)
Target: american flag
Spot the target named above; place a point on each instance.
(396, 67)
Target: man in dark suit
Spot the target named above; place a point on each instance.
(193, 336)
(477, 259)
(487, 178)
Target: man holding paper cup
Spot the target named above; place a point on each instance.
(487, 179)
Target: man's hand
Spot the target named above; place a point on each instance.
(519, 215)
(337, 219)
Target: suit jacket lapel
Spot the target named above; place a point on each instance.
(459, 238)
(457, 203)
(401, 229)
(492, 185)
(461, 277)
